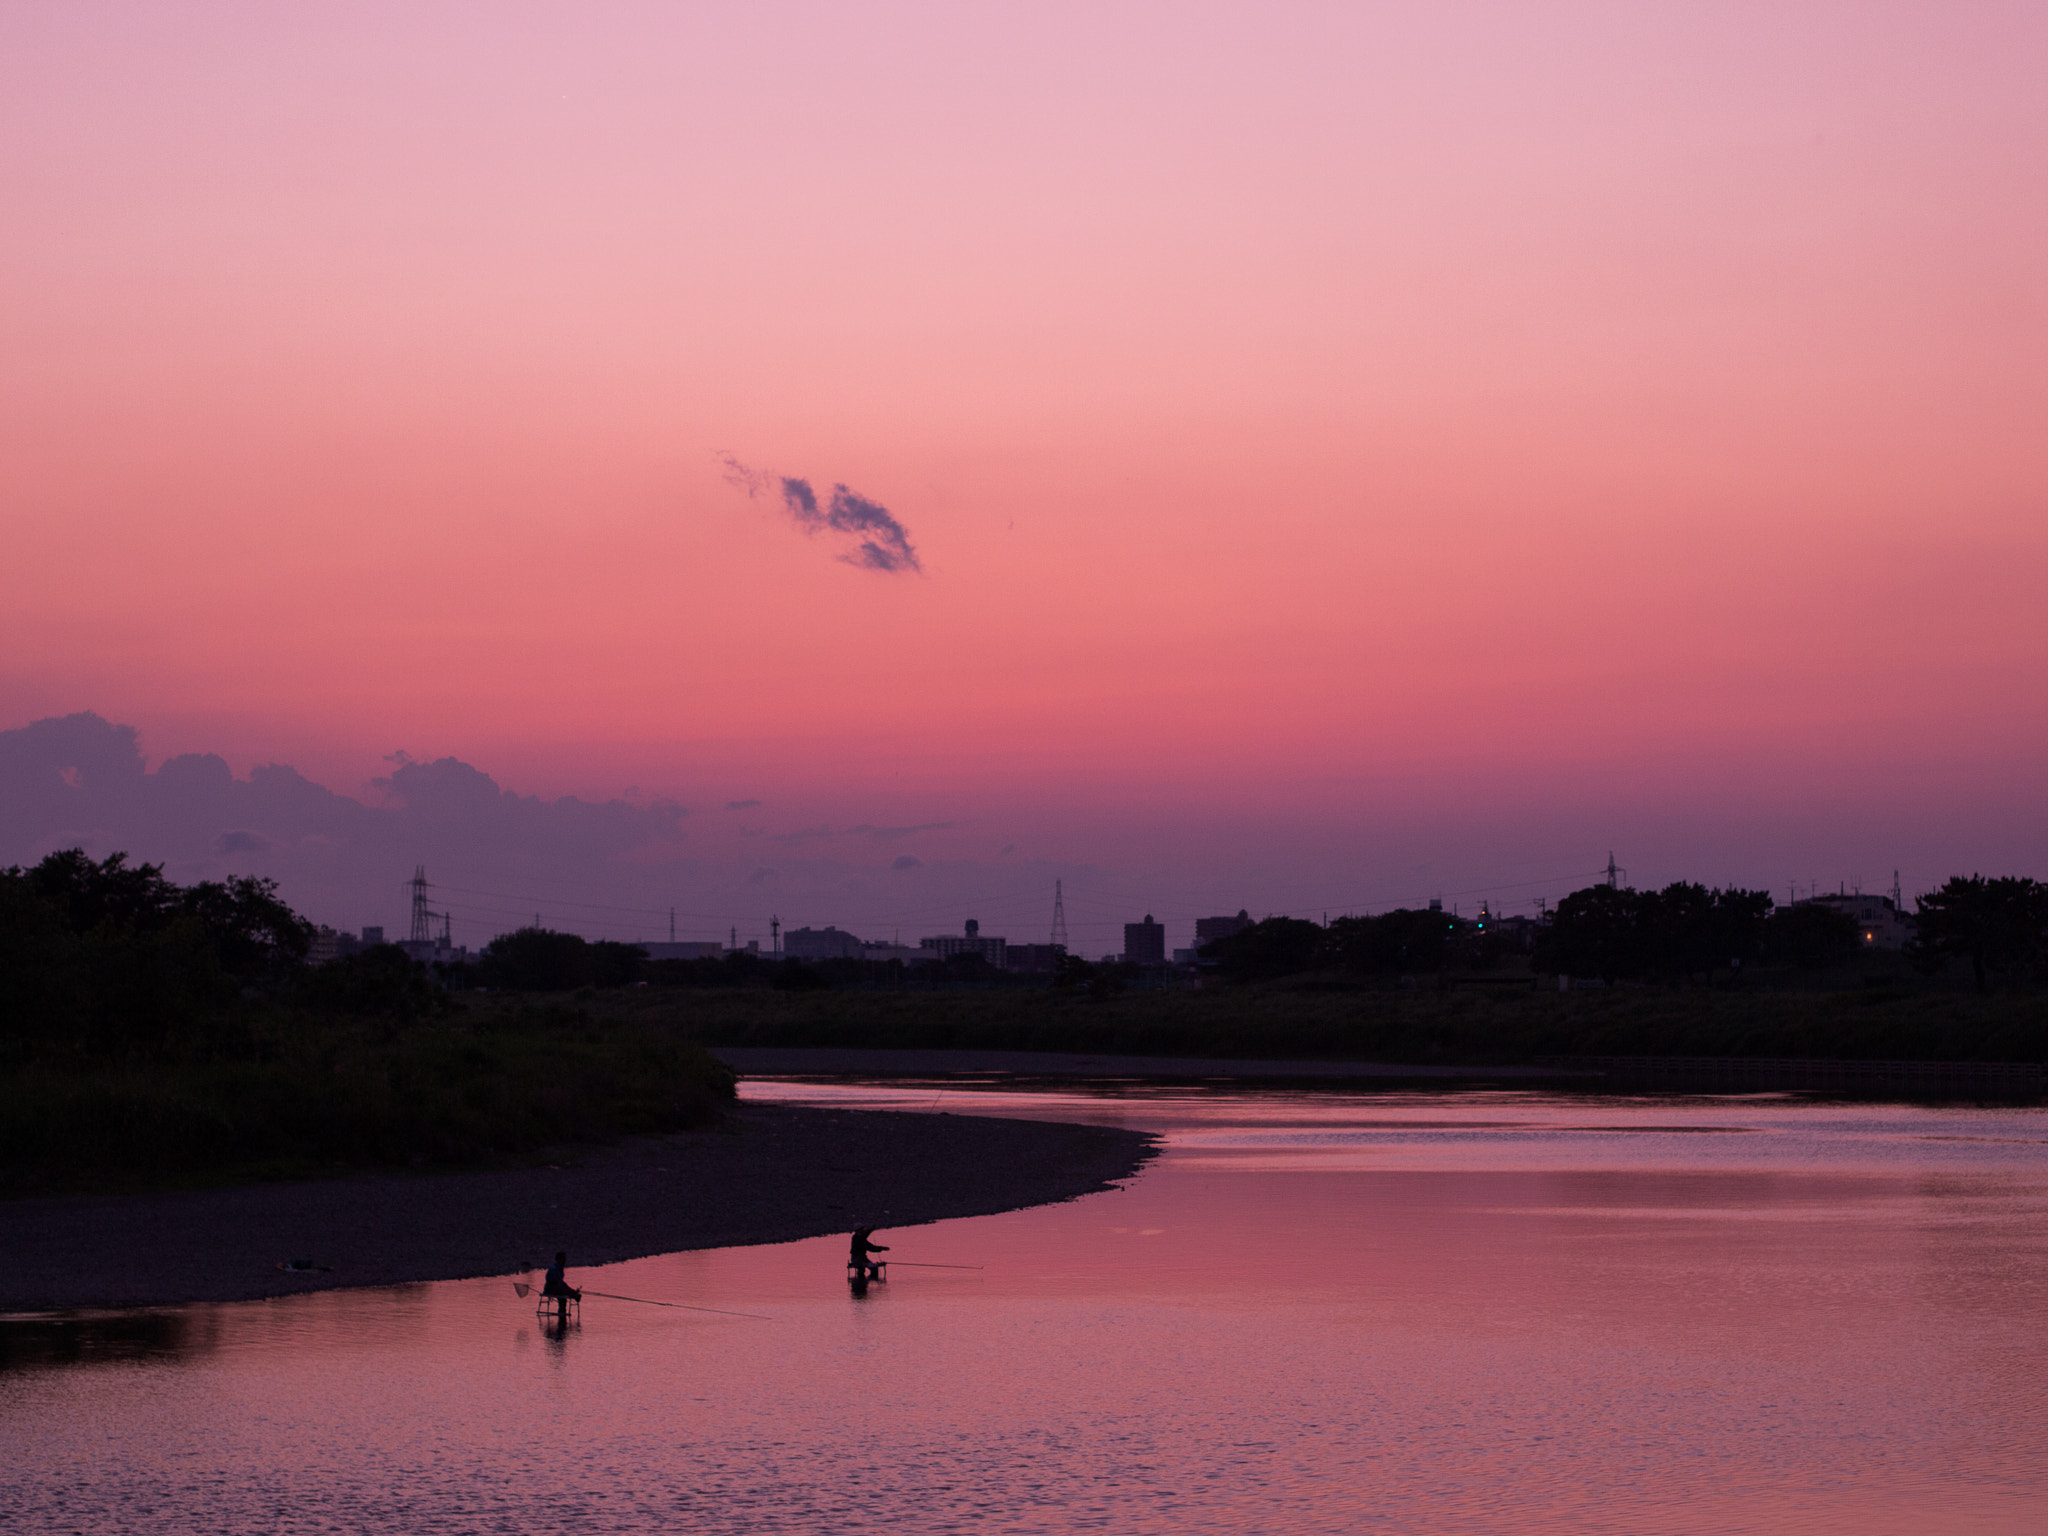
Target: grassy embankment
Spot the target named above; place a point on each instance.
(298, 1097)
(1320, 1020)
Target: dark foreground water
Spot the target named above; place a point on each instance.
(1317, 1312)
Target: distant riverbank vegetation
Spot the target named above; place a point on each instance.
(151, 1032)
(1680, 971)
(1324, 1017)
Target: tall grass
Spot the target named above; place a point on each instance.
(310, 1096)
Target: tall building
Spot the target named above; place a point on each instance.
(820, 944)
(687, 949)
(945, 946)
(1037, 959)
(1145, 943)
(1209, 929)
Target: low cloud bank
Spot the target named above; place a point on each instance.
(81, 781)
(496, 859)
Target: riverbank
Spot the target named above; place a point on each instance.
(1331, 1019)
(770, 1174)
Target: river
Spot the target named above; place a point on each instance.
(1316, 1311)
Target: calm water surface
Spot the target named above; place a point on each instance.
(1317, 1312)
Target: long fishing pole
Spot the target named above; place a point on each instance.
(682, 1306)
(913, 1264)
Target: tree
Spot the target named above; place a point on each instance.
(1688, 930)
(1997, 925)
(381, 982)
(1809, 935)
(109, 956)
(1740, 919)
(1682, 931)
(795, 976)
(608, 963)
(109, 897)
(1402, 942)
(535, 960)
(1279, 946)
(1105, 980)
(252, 931)
(1594, 932)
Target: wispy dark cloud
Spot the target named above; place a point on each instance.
(886, 545)
(802, 834)
(741, 805)
(741, 478)
(865, 829)
(801, 503)
(881, 543)
(889, 834)
(906, 861)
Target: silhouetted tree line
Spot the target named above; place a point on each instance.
(108, 956)
(1105, 978)
(1683, 933)
(540, 960)
(148, 1027)
(1999, 927)
(1404, 942)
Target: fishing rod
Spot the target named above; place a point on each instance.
(913, 1264)
(683, 1306)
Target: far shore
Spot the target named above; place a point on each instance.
(770, 1174)
(826, 1061)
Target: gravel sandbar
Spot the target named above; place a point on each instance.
(774, 1173)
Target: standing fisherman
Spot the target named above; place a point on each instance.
(863, 1267)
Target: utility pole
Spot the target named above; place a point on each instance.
(1059, 915)
(671, 925)
(1613, 874)
(775, 935)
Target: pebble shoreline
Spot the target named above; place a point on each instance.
(772, 1173)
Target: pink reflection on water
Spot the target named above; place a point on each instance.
(1316, 1312)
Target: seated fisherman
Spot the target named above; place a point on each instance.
(865, 1268)
(557, 1284)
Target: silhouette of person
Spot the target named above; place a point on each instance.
(864, 1268)
(557, 1285)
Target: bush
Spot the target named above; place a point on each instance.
(382, 982)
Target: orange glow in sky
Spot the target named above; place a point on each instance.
(1469, 433)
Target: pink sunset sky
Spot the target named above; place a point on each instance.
(1354, 452)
